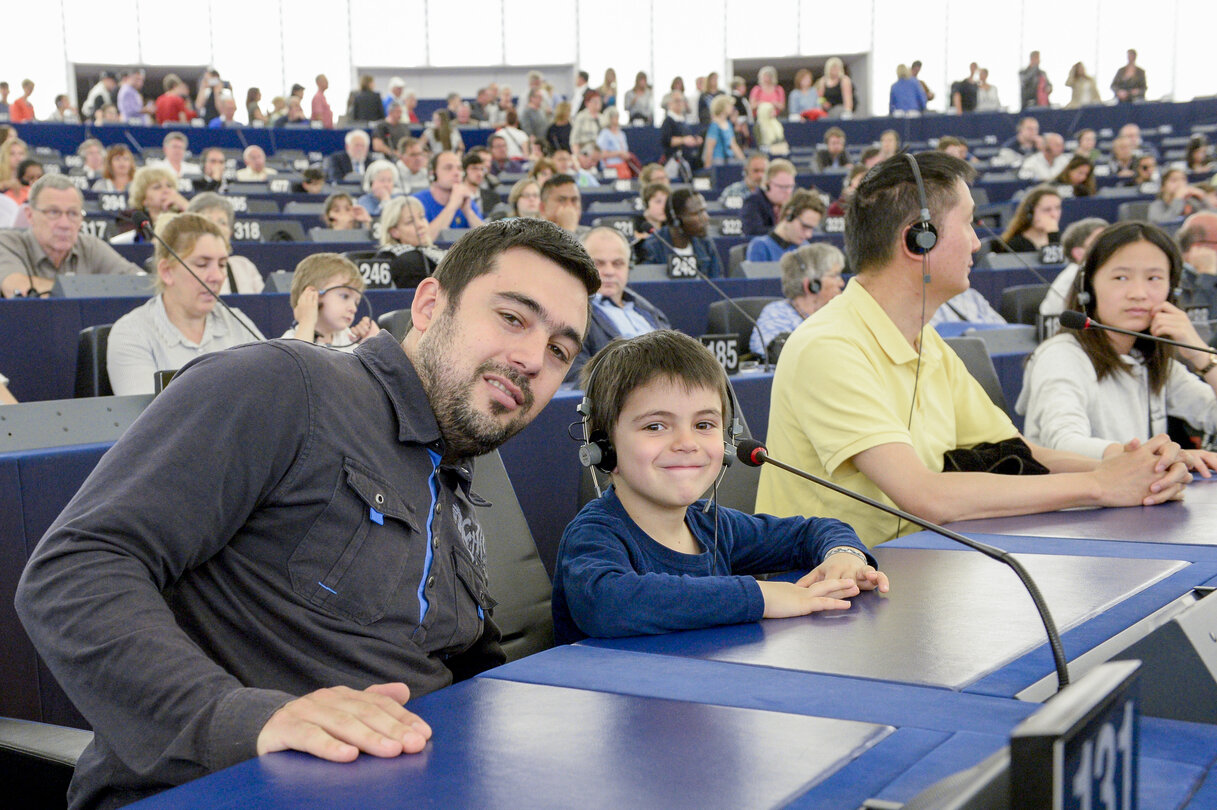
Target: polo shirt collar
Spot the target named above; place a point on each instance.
(39, 255)
(884, 329)
(214, 327)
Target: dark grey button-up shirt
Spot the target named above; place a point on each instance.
(277, 521)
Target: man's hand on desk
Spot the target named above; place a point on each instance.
(17, 285)
(1146, 474)
(339, 723)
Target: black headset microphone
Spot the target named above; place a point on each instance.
(653, 231)
(754, 454)
(143, 224)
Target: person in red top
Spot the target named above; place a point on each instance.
(172, 106)
(21, 110)
(321, 108)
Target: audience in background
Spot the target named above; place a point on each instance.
(214, 167)
(386, 134)
(906, 94)
(562, 204)
(353, 159)
(761, 209)
(182, 320)
(255, 169)
(811, 277)
(119, 169)
(153, 191)
(405, 240)
(22, 110)
(1075, 241)
(684, 237)
(832, 154)
(366, 104)
(1077, 178)
(1129, 82)
(173, 105)
(241, 274)
(801, 215)
(448, 202)
(836, 89)
(557, 134)
(986, 94)
(31, 258)
(1085, 91)
(174, 147)
(1034, 83)
(1048, 162)
(770, 134)
(525, 198)
(340, 213)
(379, 184)
(768, 90)
(640, 101)
(1036, 221)
(1176, 199)
(803, 97)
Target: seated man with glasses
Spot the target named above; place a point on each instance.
(31, 259)
(761, 209)
(800, 217)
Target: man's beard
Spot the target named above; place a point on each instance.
(467, 431)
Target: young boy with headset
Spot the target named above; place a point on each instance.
(648, 556)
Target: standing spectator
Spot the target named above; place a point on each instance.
(760, 211)
(253, 109)
(64, 112)
(964, 93)
(804, 97)
(576, 98)
(227, 118)
(4, 105)
(173, 105)
(130, 100)
(608, 89)
(1129, 83)
(1046, 163)
(320, 107)
(210, 87)
(448, 202)
(441, 136)
(614, 148)
(1085, 91)
(22, 110)
(915, 69)
(832, 154)
(387, 133)
(367, 105)
(255, 169)
(586, 126)
(640, 101)
(397, 87)
(906, 94)
(986, 94)
(100, 94)
(679, 142)
(410, 105)
(677, 88)
(708, 94)
(720, 145)
(768, 89)
(412, 165)
(119, 169)
(533, 119)
(1034, 83)
(836, 89)
(557, 137)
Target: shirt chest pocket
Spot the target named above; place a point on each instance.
(354, 557)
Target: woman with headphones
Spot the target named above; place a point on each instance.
(1093, 391)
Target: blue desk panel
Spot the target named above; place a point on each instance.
(951, 620)
(505, 744)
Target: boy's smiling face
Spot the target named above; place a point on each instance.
(669, 443)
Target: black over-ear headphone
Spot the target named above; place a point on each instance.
(1084, 297)
(813, 284)
(433, 164)
(669, 211)
(597, 449)
(922, 235)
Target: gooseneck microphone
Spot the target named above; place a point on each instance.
(721, 294)
(1072, 319)
(754, 454)
(143, 224)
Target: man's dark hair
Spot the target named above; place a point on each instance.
(312, 175)
(584, 75)
(680, 198)
(803, 200)
(886, 203)
(472, 156)
(476, 253)
(624, 366)
(557, 181)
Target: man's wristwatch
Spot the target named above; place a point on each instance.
(846, 550)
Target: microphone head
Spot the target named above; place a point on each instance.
(751, 452)
(1071, 319)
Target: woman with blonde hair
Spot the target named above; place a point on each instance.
(153, 190)
(525, 198)
(767, 90)
(405, 241)
(12, 152)
(181, 321)
(835, 88)
(719, 145)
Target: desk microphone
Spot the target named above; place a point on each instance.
(653, 231)
(1072, 319)
(753, 453)
(143, 224)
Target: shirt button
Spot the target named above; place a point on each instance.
(431, 582)
(437, 507)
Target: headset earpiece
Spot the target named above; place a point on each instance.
(669, 211)
(598, 452)
(1084, 297)
(921, 235)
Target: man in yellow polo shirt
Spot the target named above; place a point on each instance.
(843, 407)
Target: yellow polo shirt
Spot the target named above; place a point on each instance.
(844, 384)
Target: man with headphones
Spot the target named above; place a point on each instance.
(868, 396)
(800, 217)
(616, 311)
(685, 234)
(448, 201)
(762, 209)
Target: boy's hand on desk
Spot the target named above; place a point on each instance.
(847, 566)
(786, 599)
(338, 723)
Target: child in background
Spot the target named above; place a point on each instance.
(326, 291)
(647, 556)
